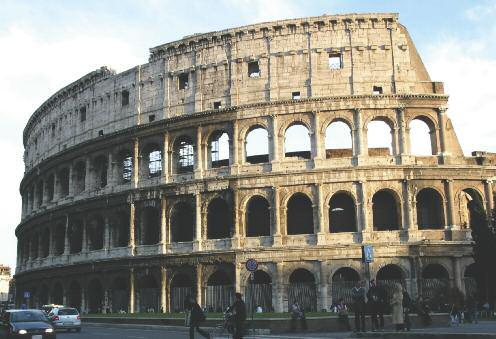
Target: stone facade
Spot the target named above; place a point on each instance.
(128, 205)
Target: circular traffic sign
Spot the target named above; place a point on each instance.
(251, 265)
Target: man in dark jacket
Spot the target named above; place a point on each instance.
(196, 317)
(358, 297)
(239, 316)
(376, 300)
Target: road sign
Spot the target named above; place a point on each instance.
(251, 265)
(27, 295)
(367, 253)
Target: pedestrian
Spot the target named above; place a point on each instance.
(239, 316)
(297, 313)
(407, 307)
(358, 297)
(376, 299)
(196, 317)
(342, 310)
(397, 307)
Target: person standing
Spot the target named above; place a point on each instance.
(358, 297)
(397, 307)
(407, 306)
(196, 317)
(239, 316)
(376, 299)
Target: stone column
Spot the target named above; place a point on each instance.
(71, 181)
(276, 210)
(132, 212)
(318, 152)
(51, 242)
(113, 177)
(274, 156)
(279, 290)
(136, 162)
(40, 246)
(359, 145)
(199, 154)
(197, 246)
(238, 267)
(66, 236)
(402, 151)
(164, 239)
(163, 290)
(237, 232)
(83, 299)
(488, 192)
(87, 174)
(165, 159)
(441, 117)
(321, 229)
(234, 143)
(324, 287)
(362, 207)
(84, 236)
(131, 291)
(408, 207)
(448, 189)
(106, 233)
(199, 284)
(457, 273)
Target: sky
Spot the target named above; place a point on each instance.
(45, 45)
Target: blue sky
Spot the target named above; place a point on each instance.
(48, 44)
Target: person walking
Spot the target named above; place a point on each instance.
(376, 298)
(239, 316)
(358, 298)
(407, 307)
(397, 307)
(196, 317)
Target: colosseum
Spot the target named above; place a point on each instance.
(145, 186)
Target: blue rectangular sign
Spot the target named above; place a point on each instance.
(367, 253)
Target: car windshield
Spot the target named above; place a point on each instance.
(68, 311)
(27, 316)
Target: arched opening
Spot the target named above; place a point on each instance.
(34, 246)
(94, 233)
(343, 280)
(470, 203)
(220, 291)
(182, 222)
(45, 243)
(379, 138)
(63, 180)
(43, 295)
(58, 294)
(59, 236)
(149, 226)
(125, 159)
(389, 276)
(257, 145)
(219, 149)
(100, 165)
(120, 295)
(76, 236)
(181, 288)
(50, 187)
(120, 229)
(257, 217)
(435, 285)
(184, 155)
(219, 219)
(79, 177)
(385, 211)
(430, 210)
(74, 295)
(470, 280)
(297, 141)
(342, 213)
(95, 296)
(153, 155)
(148, 294)
(258, 292)
(39, 193)
(338, 142)
(422, 137)
(299, 215)
(302, 290)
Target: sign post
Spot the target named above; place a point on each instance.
(367, 258)
(252, 265)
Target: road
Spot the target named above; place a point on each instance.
(90, 331)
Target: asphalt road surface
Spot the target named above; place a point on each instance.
(95, 332)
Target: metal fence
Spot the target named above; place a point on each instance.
(258, 294)
(342, 290)
(178, 297)
(149, 299)
(119, 300)
(219, 297)
(304, 294)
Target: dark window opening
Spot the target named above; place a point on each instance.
(217, 105)
(257, 217)
(335, 61)
(150, 226)
(377, 90)
(59, 239)
(151, 118)
(219, 219)
(76, 237)
(182, 222)
(125, 98)
(95, 234)
(64, 182)
(299, 215)
(253, 69)
(302, 289)
(120, 229)
(183, 80)
(296, 96)
(430, 212)
(100, 133)
(384, 211)
(342, 214)
(82, 114)
(101, 167)
(80, 176)
(39, 194)
(53, 130)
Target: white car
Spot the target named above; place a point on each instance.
(65, 318)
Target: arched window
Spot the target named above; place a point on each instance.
(430, 211)
(219, 219)
(181, 287)
(95, 296)
(379, 138)
(184, 155)
(39, 193)
(34, 246)
(80, 177)
(220, 291)
(299, 215)
(45, 243)
(338, 142)
(63, 179)
(258, 292)
(76, 236)
(343, 281)
(302, 290)
(150, 226)
(126, 165)
(422, 137)
(182, 222)
(59, 236)
(120, 294)
(219, 149)
(297, 141)
(434, 283)
(149, 294)
(471, 207)
(257, 145)
(50, 186)
(385, 211)
(154, 157)
(257, 217)
(120, 229)
(74, 295)
(342, 213)
(100, 165)
(95, 233)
